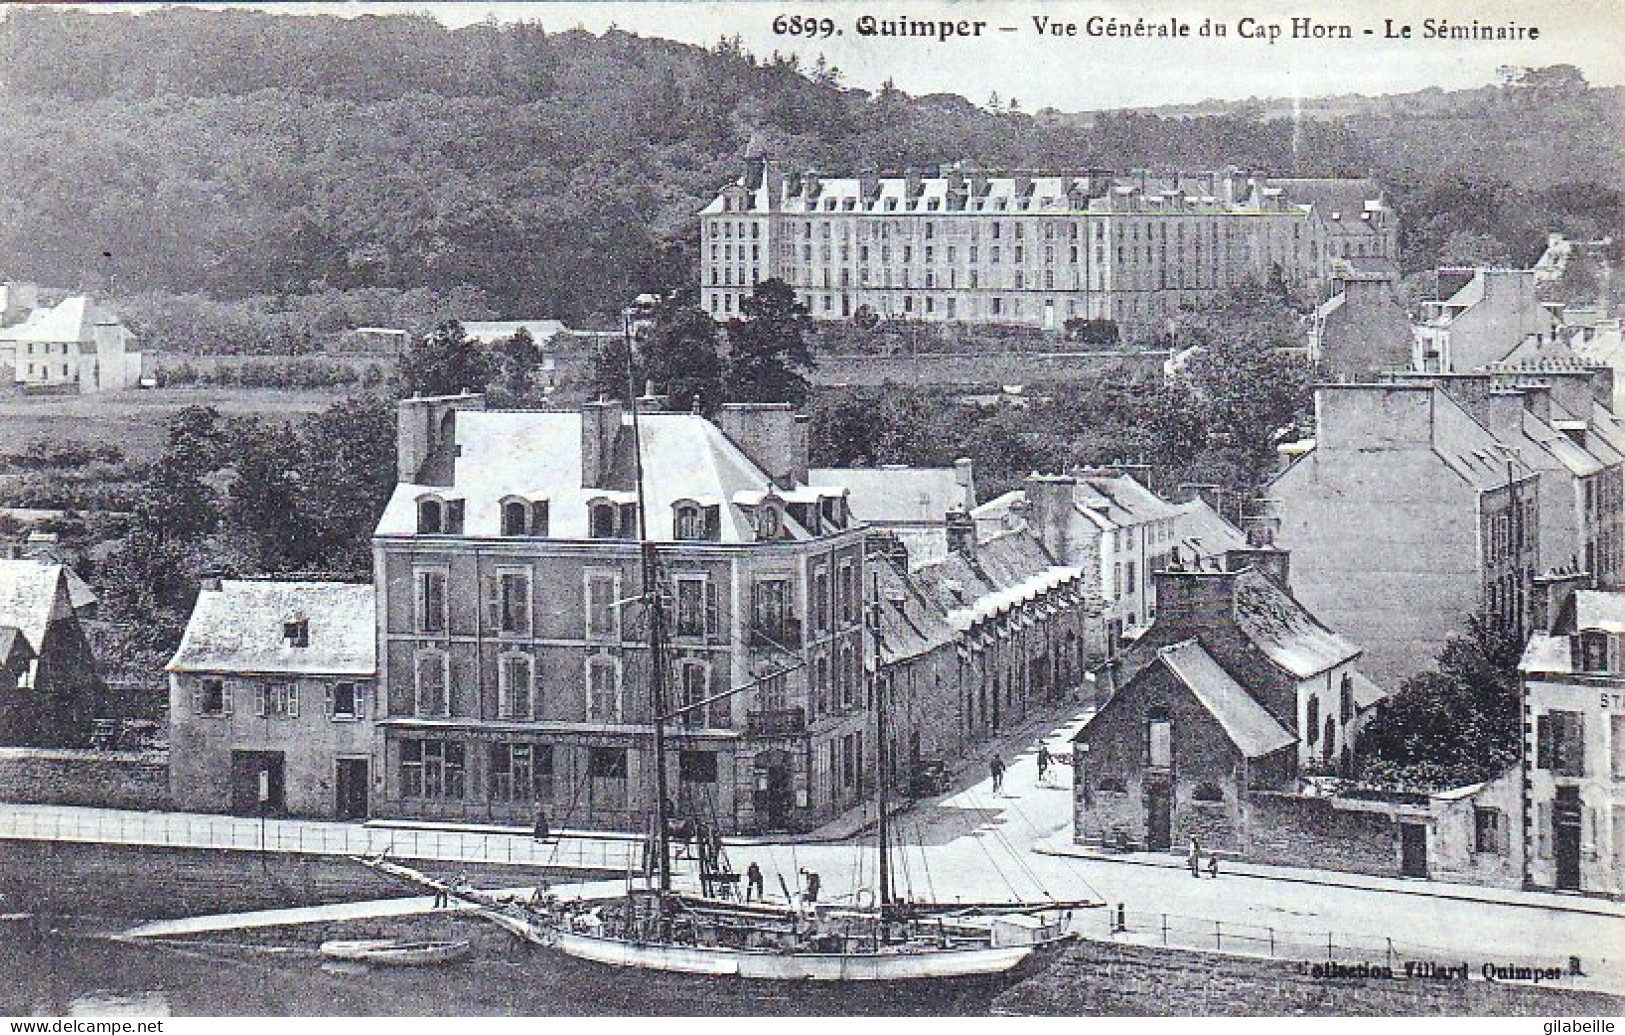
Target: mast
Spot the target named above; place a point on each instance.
(882, 752)
(654, 608)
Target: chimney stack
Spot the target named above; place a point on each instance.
(772, 435)
(965, 476)
(600, 428)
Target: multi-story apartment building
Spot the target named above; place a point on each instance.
(514, 664)
(1024, 248)
(1479, 318)
(1406, 518)
(1573, 829)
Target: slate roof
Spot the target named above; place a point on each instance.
(1204, 530)
(32, 593)
(1340, 203)
(1120, 499)
(1546, 653)
(12, 642)
(1284, 630)
(238, 628)
(1252, 729)
(538, 456)
(1008, 568)
(1599, 609)
(71, 320)
(893, 495)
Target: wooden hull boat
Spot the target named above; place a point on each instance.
(390, 952)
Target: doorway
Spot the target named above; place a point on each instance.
(257, 787)
(1413, 850)
(1159, 817)
(1566, 838)
(350, 783)
(775, 790)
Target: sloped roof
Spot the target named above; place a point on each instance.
(238, 629)
(70, 320)
(895, 495)
(32, 593)
(13, 642)
(538, 456)
(1252, 729)
(1008, 568)
(1340, 203)
(1366, 692)
(1568, 453)
(1119, 499)
(1285, 630)
(1546, 653)
(1204, 530)
(910, 623)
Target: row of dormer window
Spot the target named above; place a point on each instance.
(613, 519)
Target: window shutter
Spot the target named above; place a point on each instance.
(293, 700)
(1503, 834)
(1543, 742)
(362, 692)
(197, 698)
(538, 518)
(713, 615)
(454, 517)
(493, 601)
(1543, 829)
(226, 691)
(713, 523)
(327, 702)
(261, 693)
(505, 687)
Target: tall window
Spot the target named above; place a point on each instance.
(848, 675)
(1312, 724)
(603, 612)
(209, 697)
(691, 618)
(1159, 739)
(516, 683)
(431, 600)
(821, 681)
(344, 700)
(603, 689)
(1560, 742)
(770, 608)
(821, 600)
(515, 517)
(603, 519)
(849, 593)
(1347, 698)
(431, 517)
(279, 700)
(508, 601)
(690, 521)
(694, 686)
(433, 691)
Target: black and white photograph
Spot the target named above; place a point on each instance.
(944, 509)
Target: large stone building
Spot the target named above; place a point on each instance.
(513, 657)
(1406, 518)
(1034, 249)
(271, 704)
(75, 345)
(1480, 316)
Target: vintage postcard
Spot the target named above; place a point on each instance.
(945, 509)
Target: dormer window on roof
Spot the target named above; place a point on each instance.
(609, 519)
(693, 522)
(296, 631)
(524, 517)
(439, 515)
(769, 522)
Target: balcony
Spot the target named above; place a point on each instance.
(782, 722)
(785, 635)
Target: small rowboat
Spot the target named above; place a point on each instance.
(391, 952)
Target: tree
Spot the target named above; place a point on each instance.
(518, 359)
(1457, 724)
(445, 362)
(262, 504)
(347, 475)
(769, 351)
(680, 355)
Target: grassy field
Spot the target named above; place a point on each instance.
(135, 420)
(949, 370)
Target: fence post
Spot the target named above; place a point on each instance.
(1328, 945)
(1390, 942)
(1218, 936)
(1165, 928)
(1271, 931)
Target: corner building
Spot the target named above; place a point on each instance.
(1028, 248)
(514, 664)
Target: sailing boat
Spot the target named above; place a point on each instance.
(657, 928)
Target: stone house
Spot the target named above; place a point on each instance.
(271, 700)
(76, 345)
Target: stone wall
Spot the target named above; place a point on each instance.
(102, 779)
(1294, 830)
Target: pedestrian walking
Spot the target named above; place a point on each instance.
(1043, 762)
(996, 767)
(1194, 857)
(540, 830)
(753, 883)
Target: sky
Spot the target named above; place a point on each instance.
(1081, 72)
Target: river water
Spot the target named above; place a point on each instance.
(54, 974)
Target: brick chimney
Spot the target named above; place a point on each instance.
(1270, 560)
(1050, 510)
(773, 435)
(1195, 600)
(426, 437)
(961, 533)
(600, 428)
